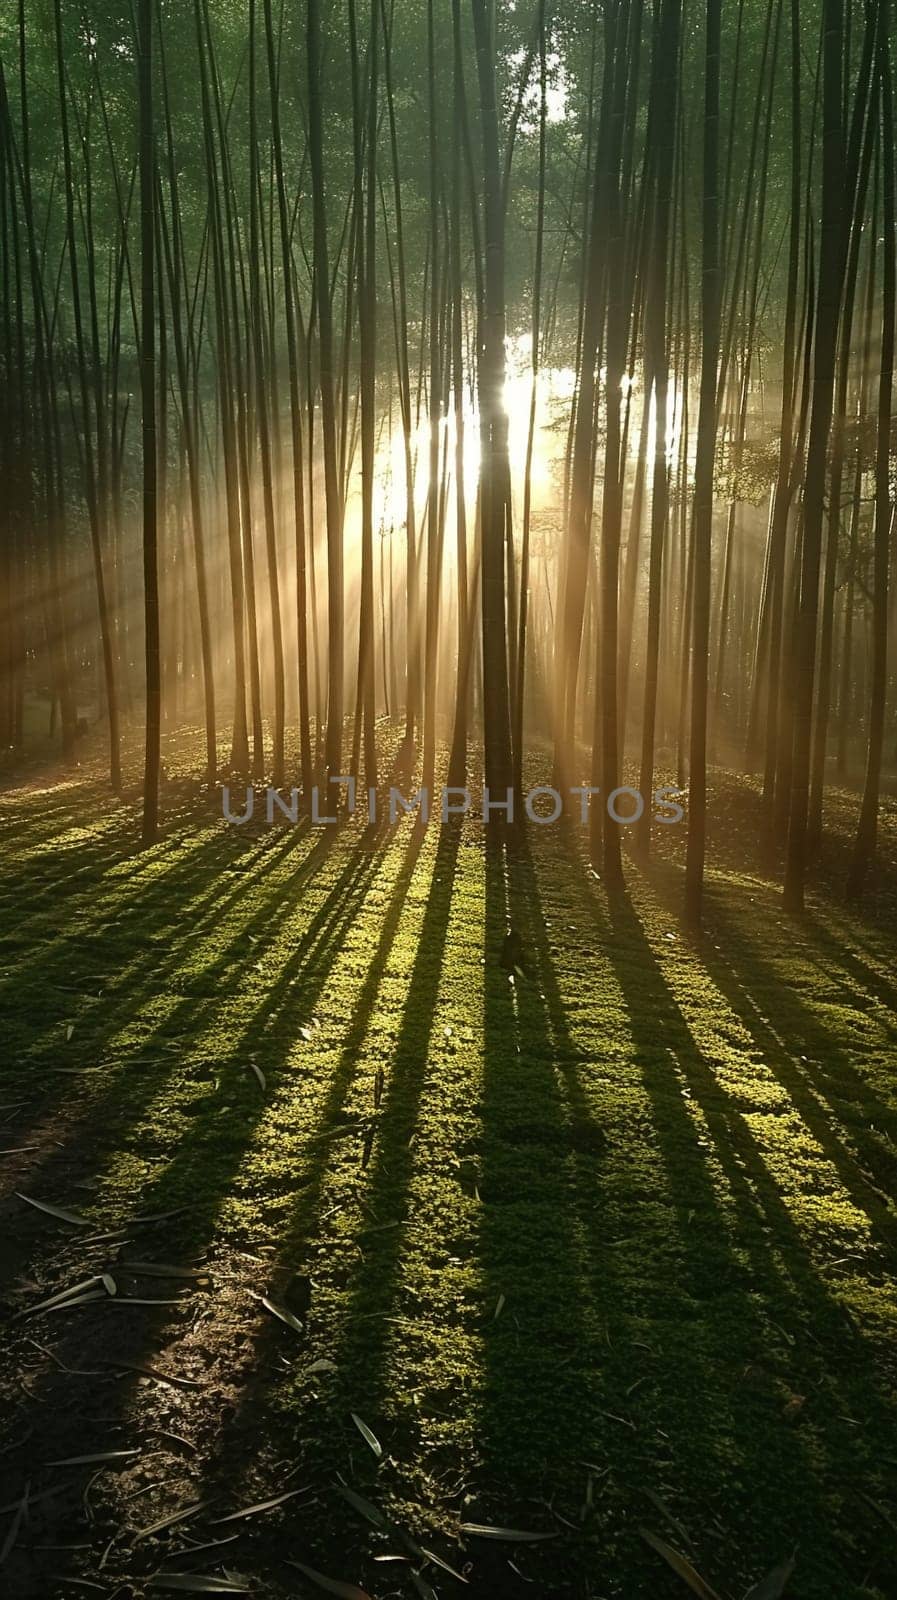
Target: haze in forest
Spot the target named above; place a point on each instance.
(431, 378)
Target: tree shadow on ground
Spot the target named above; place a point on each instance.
(853, 1125)
(202, 1168)
(751, 1297)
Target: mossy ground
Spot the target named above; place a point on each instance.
(607, 1246)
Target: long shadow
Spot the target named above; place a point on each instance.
(298, 1243)
(846, 953)
(374, 1289)
(748, 1278)
(830, 1094)
(221, 1125)
(163, 968)
(128, 905)
(287, 1006)
(206, 1161)
(538, 1166)
(647, 1271)
(384, 1168)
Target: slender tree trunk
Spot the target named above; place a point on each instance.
(94, 510)
(333, 500)
(261, 406)
(864, 847)
(290, 320)
(493, 428)
(152, 758)
(704, 459)
(535, 336)
(825, 342)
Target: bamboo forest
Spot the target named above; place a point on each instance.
(448, 799)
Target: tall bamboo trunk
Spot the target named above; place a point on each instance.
(493, 428)
(825, 343)
(704, 459)
(864, 846)
(152, 754)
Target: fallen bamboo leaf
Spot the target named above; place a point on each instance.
(162, 1269)
(22, 1150)
(773, 1585)
(345, 1591)
(13, 1530)
(665, 1511)
(259, 1508)
(152, 1372)
(55, 1211)
(81, 1300)
(368, 1437)
(259, 1074)
(483, 1530)
(109, 1284)
(88, 1460)
(60, 1298)
(197, 1583)
(372, 1513)
(286, 1316)
(679, 1565)
(438, 1562)
(320, 1366)
(175, 1516)
(198, 1549)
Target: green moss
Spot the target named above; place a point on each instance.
(633, 1210)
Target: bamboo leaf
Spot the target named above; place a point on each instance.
(64, 1295)
(197, 1583)
(368, 1437)
(81, 1300)
(169, 1521)
(153, 1372)
(483, 1530)
(89, 1460)
(679, 1565)
(59, 1212)
(13, 1530)
(372, 1513)
(774, 1584)
(162, 1269)
(283, 1313)
(259, 1508)
(438, 1562)
(344, 1591)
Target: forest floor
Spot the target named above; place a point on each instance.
(606, 1248)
